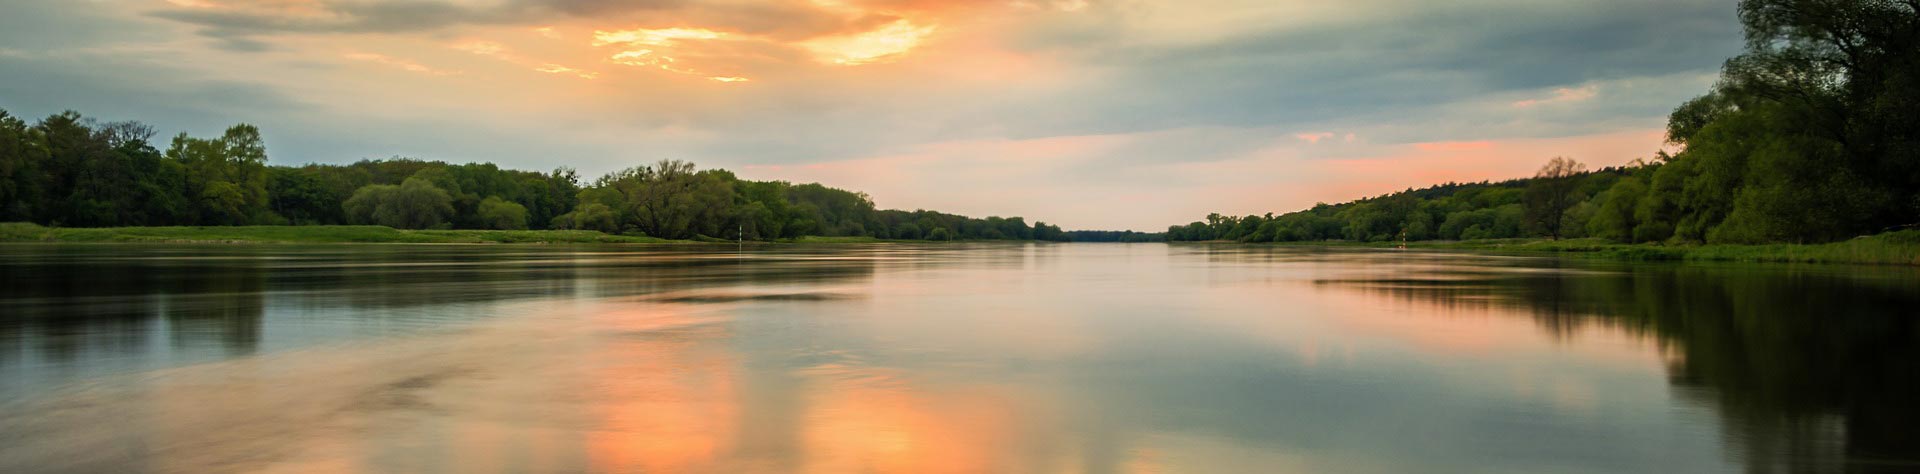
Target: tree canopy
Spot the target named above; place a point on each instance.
(69, 170)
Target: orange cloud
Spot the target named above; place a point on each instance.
(882, 44)
(558, 69)
(648, 48)
(661, 37)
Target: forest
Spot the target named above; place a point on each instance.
(1808, 137)
(68, 170)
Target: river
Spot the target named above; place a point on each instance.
(944, 358)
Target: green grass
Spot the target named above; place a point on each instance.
(819, 239)
(816, 239)
(25, 232)
(1893, 248)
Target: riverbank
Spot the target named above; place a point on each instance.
(1893, 248)
(24, 232)
(323, 234)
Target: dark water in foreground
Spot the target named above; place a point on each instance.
(977, 358)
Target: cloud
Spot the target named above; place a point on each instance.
(878, 45)
(402, 64)
(1561, 95)
(1314, 138)
(505, 54)
(231, 18)
(658, 48)
(1407, 55)
(249, 21)
(166, 94)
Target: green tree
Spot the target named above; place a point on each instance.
(1551, 193)
(498, 213)
(907, 230)
(414, 204)
(668, 199)
(589, 216)
(1616, 218)
(226, 176)
(23, 158)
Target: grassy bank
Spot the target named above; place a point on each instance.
(24, 232)
(1893, 248)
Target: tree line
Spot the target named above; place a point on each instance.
(70, 170)
(1809, 136)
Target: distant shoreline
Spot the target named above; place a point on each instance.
(20, 232)
(1892, 248)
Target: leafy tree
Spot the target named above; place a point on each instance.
(668, 199)
(304, 196)
(23, 157)
(907, 230)
(1616, 218)
(498, 213)
(226, 176)
(414, 204)
(589, 216)
(1551, 193)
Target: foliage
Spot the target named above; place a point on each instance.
(414, 204)
(496, 213)
(71, 171)
(1550, 194)
(1808, 137)
(28, 232)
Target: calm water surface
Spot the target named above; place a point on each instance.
(961, 358)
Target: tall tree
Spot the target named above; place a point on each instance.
(1551, 193)
(227, 176)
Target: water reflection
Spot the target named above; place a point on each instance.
(971, 358)
(1812, 368)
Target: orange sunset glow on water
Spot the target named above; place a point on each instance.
(596, 364)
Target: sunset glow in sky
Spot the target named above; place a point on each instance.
(1108, 114)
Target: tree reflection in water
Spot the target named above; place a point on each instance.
(1813, 368)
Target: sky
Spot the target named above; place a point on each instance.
(1089, 114)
